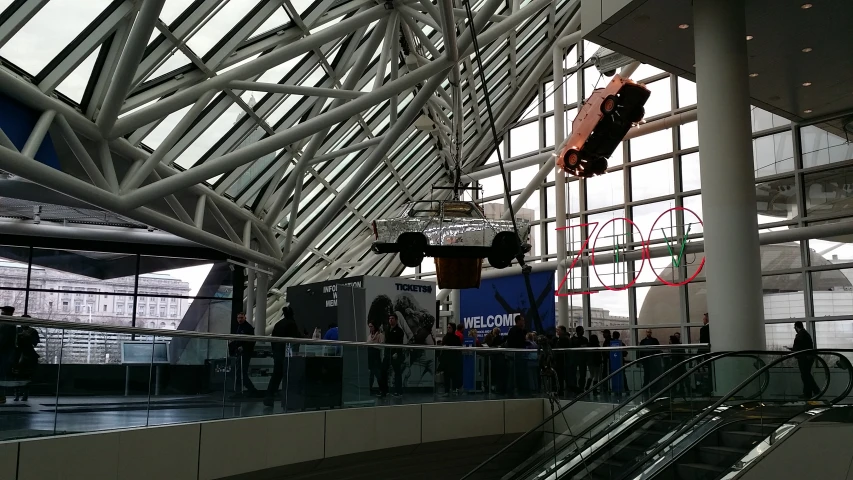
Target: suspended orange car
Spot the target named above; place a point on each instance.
(601, 124)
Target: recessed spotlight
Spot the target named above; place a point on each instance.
(806, 6)
(749, 37)
(684, 26)
(753, 75)
(807, 49)
(807, 110)
(807, 84)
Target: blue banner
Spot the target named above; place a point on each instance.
(499, 300)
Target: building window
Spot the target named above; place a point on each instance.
(152, 311)
(163, 311)
(64, 306)
(173, 311)
(105, 308)
(120, 308)
(174, 300)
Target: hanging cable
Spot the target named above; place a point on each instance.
(492, 120)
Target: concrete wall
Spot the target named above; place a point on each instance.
(234, 447)
(816, 450)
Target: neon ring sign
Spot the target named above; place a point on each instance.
(676, 248)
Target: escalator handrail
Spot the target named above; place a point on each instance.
(714, 356)
(734, 391)
(577, 398)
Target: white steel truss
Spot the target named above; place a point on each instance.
(272, 130)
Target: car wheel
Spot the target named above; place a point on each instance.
(639, 113)
(608, 106)
(572, 159)
(411, 258)
(411, 249)
(504, 248)
(598, 166)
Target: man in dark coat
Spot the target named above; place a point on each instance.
(803, 341)
(243, 351)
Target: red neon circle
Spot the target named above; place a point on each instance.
(642, 255)
(649, 243)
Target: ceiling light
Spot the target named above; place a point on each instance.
(807, 111)
(807, 84)
(807, 49)
(749, 37)
(684, 26)
(753, 75)
(806, 6)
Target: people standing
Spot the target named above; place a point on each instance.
(242, 350)
(561, 359)
(803, 341)
(284, 328)
(705, 331)
(27, 358)
(393, 358)
(451, 361)
(475, 337)
(7, 351)
(374, 356)
(680, 369)
(332, 332)
(459, 333)
(516, 338)
(577, 361)
(594, 363)
(651, 366)
(497, 338)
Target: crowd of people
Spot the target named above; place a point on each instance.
(18, 357)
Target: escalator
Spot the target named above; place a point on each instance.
(671, 430)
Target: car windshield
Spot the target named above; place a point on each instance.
(424, 209)
(461, 210)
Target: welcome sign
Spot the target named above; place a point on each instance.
(498, 300)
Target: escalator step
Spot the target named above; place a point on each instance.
(721, 455)
(763, 428)
(698, 471)
(741, 439)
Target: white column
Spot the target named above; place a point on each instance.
(733, 265)
(250, 294)
(455, 302)
(560, 186)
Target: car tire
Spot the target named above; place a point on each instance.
(504, 248)
(638, 115)
(411, 258)
(609, 105)
(598, 166)
(411, 249)
(572, 159)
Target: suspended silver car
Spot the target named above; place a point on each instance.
(449, 229)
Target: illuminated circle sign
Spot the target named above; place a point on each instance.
(676, 247)
(642, 247)
(676, 260)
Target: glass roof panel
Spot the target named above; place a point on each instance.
(172, 9)
(74, 85)
(43, 37)
(218, 25)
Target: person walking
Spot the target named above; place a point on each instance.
(705, 331)
(594, 363)
(803, 341)
(651, 366)
(284, 328)
(451, 361)
(393, 358)
(242, 350)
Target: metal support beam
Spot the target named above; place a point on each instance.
(295, 90)
(36, 137)
(370, 163)
(107, 165)
(198, 219)
(82, 155)
(261, 64)
(134, 48)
